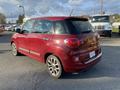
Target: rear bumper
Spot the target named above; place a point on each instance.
(105, 32)
(76, 67)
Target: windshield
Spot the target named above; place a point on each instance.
(100, 19)
(78, 26)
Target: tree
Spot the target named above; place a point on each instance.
(20, 19)
(2, 18)
(116, 17)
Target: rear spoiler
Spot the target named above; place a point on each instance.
(81, 18)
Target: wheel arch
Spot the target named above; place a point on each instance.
(48, 54)
(12, 42)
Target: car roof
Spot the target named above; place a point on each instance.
(58, 18)
(101, 15)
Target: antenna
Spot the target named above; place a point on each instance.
(71, 12)
(101, 7)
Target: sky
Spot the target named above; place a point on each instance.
(56, 7)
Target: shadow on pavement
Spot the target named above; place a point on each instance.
(5, 37)
(115, 35)
(109, 66)
(4, 51)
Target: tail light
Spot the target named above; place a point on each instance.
(97, 36)
(72, 42)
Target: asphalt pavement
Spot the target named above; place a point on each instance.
(24, 73)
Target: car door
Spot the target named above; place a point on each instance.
(40, 37)
(23, 41)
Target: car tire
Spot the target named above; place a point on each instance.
(14, 49)
(54, 66)
(110, 35)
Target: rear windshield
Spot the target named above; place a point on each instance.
(73, 26)
(78, 26)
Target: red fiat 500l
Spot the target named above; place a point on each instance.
(65, 44)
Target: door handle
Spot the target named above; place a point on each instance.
(45, 39)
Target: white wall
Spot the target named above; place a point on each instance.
(116, 24)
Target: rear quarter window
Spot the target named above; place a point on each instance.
(60, 27)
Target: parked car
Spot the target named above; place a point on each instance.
(2, 29)
(65, 44)
(102, 24)
(17, 27)
(13, 28)
(8, 27)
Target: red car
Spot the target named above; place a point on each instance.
(65, 44)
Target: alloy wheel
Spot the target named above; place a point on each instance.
(54, 66)
(14, 49)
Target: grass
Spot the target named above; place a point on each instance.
(116, 30)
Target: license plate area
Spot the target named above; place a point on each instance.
(92, 54)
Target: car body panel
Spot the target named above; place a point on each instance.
(37, 46)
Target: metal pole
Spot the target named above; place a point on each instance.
(101, 7)
(71, 12)
(23, 10)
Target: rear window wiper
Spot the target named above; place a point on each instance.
(36, 32)
(86, 31)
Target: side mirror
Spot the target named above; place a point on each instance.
(24, 32)
(18, 30)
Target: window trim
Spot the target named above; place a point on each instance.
(52, 30)
(33, 21)
(64, 26)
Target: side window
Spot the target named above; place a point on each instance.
(43, 26)
(27, 27)
(59, 28)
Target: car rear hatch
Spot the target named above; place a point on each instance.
(87, 40)
(89, 47)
